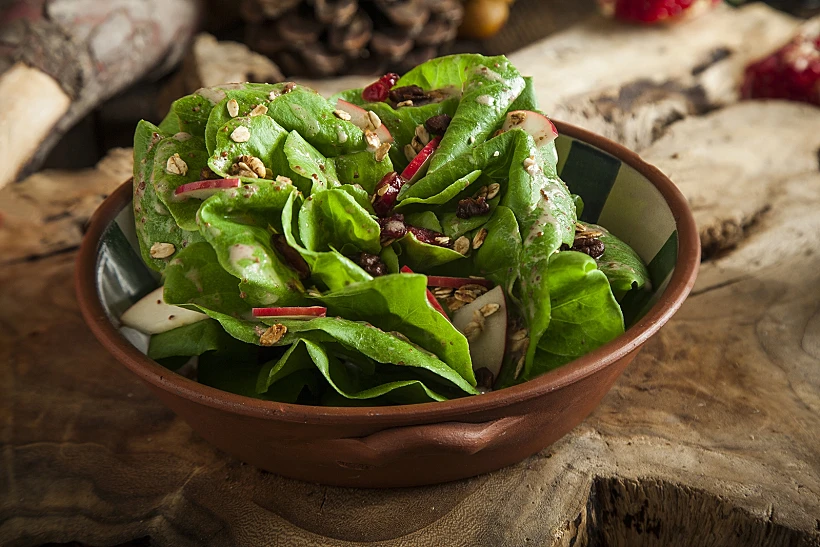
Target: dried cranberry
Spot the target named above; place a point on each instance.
(291, 255)
(437, 125)
(430, 237)
(392, 228)
(472, 207)
(389, 79)
(372, 264)
(375, 93)
(592, 246)
(387, 190)
(410, 93)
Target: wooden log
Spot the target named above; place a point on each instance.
(75, 54)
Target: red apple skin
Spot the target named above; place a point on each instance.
(416, 168)
(430, 297)
(291, 312)
(456, 282)
(207, 187)
(358, 117)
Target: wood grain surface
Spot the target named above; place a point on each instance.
(710, 438)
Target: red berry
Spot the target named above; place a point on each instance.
(387, 190)
(653, 11)
(375, 92)
(389, 79)
(792, 72)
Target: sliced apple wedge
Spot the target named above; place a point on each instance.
(430, 297)
(484, 322)
(361, 119)
(292, 312)
(418, 166)
(152, 315)
(541, 128)
(456, 282)
(203, 189)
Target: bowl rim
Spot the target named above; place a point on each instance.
(683, 278)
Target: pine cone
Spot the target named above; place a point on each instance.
(320, 38)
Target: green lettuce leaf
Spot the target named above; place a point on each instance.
(424, 219)
(154, 223)
(330, 268)
(237, 225)
(267, 139)
(621, 264)
(294, 359)
(188, 340)
(398, 302)
(362, 168)
(499, 258)
(240, 378)
(335, 219)
(489, 85)
(192, 151)
(421, 256)
(443, 196)
(455, 227)
(585, 314)
(310, 165)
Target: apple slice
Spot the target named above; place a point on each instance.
(203, 189)
(360, 118)
(418, 166)
(456, 282)
(430, 297)
(293, 312)
(152, 315)
(488, 343)
(541, 128)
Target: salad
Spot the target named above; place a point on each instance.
(406, 242)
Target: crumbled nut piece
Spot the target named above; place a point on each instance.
(454, 304)
(342, 115)
(462, 245)
(442, 240)
(416, 144)
(496, 154)
(404, 103)
(162, 250)
(176, 165)
(273, 334)
(531, 166)
(273, 94)
(519, 366)
(421, 134)
(259, 110)
(290, 86)
(469, 292)
(373, 120)
(489, 309)
(492, 190)
(482, 193)
(252, 163)
(283, 179)
(517, 118)
(410, 152)
(478, 239)
(519, 334)
(443, 292)
(372, 140)
(233, 108)
(382, 151)
(472, 330)
(241, 134)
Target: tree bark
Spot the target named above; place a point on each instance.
(76, 54)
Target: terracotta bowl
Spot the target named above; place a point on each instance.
(432, 442)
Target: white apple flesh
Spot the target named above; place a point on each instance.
(203, 189)
(487, 345)
(541, 128)
(152, 315)
(418, 165)
(292, 312)
(359, 118)
(456, 282)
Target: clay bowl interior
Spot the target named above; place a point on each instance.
(432, 442)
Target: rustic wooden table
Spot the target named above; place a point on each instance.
(710, 438)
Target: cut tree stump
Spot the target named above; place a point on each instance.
(711, 437)
(61, 58)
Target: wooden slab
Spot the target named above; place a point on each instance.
(711, 437)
